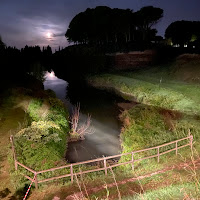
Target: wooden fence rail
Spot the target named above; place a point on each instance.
(104, 161)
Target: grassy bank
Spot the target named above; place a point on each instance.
(10, 117)
(167, 108)
(40, 132)
(163, 114)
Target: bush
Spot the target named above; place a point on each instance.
(33, 108)
(43, 143)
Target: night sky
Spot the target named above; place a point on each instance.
(44, 22)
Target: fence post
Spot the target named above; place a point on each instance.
(105, 166)
(71, 171)
(158, 154)
(176, 147)
(191, 141)
(132, 161)
(36, 181)
(13, 151)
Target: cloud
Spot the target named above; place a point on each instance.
(25, 21)
(59, 34)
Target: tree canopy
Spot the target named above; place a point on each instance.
(183, 32)
(146, 17)
(2, 45)
(103, 25)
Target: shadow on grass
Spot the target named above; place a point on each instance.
(20, 193)
(4, 193)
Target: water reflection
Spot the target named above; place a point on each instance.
(103, 142)
(57, 85)
(105, 139)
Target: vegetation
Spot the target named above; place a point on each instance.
(41, 141)
(103, 25)
(166, 110)
(178, 183)
(154, 91)
(184, 33)
(180, 191)
(18, 65)
(2, 45)
(167, 99)
(78, 131)
(10, 117)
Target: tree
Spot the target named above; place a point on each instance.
(121, 25)
(103, 26)
(146, 17)
(2, 45)
(183, 32)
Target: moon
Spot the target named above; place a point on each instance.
(49, 35)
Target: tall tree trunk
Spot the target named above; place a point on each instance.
(116, 38)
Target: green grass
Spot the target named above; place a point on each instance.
(160, 186)
(170, 95)
(168, 108)
(166, 113)
(41, 141)
(179, 191)
(33, 108)
(11, 117)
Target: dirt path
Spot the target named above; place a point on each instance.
(10, 120)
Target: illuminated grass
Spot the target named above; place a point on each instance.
(168, 108)
(41, 140)
(169, 95)
(182, 191)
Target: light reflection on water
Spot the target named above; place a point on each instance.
(57, 85)
(105, 140)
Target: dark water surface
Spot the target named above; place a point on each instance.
(103, 109)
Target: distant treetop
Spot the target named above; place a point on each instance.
(2, 45)
(184, 33)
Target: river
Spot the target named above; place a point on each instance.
(102, 107)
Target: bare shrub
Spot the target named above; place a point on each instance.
(77, 129)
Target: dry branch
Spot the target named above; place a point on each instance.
(82, 129)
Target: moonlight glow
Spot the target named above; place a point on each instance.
(52, 74)
(49, 35)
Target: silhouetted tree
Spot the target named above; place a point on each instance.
(146, 17)
(2, 45)
(183, 32)
(103, 26)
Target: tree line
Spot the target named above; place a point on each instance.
(184, 33)
(18, 63)
(103, 25)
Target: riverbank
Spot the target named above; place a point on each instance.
(167, 109)
(10, 118)
(146, 125)
(38, 121)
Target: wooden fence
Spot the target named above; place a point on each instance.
(104, 160)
